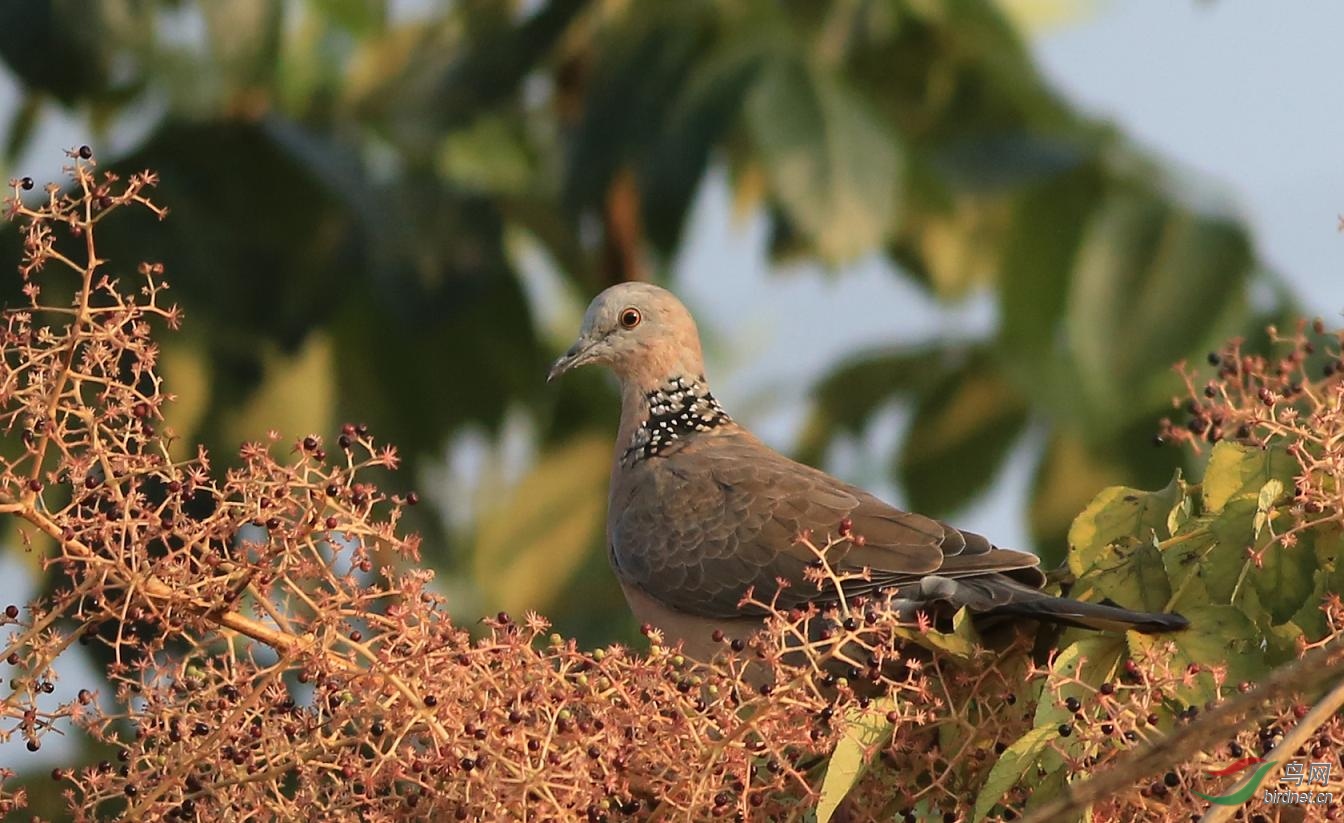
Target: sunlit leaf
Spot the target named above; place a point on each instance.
(296, 395)
(529, 544)
(1120, 514)
(1218, 636)
(1236, 470)
(864, 730)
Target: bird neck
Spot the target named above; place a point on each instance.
(659, 417)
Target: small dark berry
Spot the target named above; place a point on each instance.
(26, 184)
(412, 499)
(11, 611)
(85, 153)
(431, 701)
(1065, 730)
(1214, 359)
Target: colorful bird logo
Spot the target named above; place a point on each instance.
(1242, 794)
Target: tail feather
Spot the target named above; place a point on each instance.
(994, 596)
(1095, 616)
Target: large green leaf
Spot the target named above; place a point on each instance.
(698, 119)
(1121, 514)
(1285, 578)
(831, 162)
(1221, 637)
(1113, 545)
(1238, 470)
(1037, 256)
(962, 431)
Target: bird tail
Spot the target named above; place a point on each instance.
(998, 596)
(1096, 616)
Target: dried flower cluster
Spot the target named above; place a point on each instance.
(275, 653)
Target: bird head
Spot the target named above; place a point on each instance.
(639, 330)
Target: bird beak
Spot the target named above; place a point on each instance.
(578, 354)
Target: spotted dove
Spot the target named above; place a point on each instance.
(701, 512)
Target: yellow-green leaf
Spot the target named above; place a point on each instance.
(1120, 514)
(1237, 470)
(864, 730)
(529, 545)
(1011, 765)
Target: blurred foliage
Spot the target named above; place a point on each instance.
(344, 181)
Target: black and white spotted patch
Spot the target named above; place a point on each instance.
(679, 408)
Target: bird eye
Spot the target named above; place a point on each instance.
(630, 318)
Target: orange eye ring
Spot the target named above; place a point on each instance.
(630, 317)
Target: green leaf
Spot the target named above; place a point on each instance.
(963, 641)
(1285, 578)
(1130, 573)
(1152, 280)
(961, 434)
(1120, 515)
(1237, 470)
(864, 730)
(701, 116)
(1010, 767)
(1034, 270)
(1221, 636)
(487, 156)
(831, 163)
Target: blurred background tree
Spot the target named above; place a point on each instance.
(394, 213)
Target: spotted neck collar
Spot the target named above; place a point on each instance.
(678, 409)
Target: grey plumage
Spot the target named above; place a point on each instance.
(701, 511)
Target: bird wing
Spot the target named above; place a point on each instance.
(700, 528)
